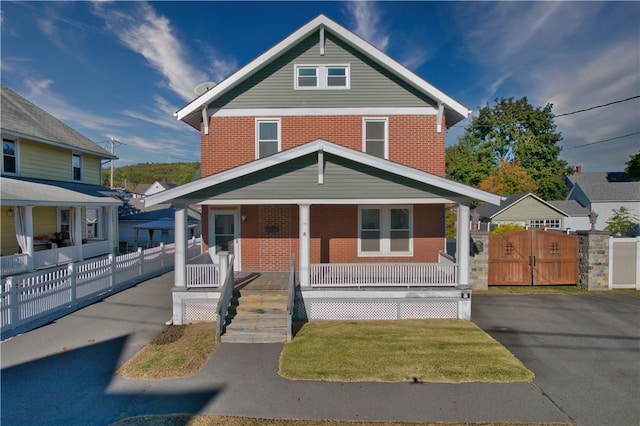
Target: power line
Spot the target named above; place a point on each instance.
(598, 106)
(601, 141)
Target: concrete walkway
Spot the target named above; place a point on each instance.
(62, 373)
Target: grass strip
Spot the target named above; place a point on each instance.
(179, 351)
(439, 351)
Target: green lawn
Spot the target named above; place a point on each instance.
(443, 351)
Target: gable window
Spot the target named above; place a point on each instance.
(76, 167)
(375, 137)
(307, 77)
(267, 137)
(385, 231)
(322, 77)
(9, 157)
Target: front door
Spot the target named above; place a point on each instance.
(225, 235)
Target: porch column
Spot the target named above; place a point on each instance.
(77, 231)
(28, 228)
(463, 245)
(180, 256)
(305, 246)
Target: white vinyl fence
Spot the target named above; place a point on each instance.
(624, 263)
(29, 300)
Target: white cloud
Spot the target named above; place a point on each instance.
(366, 18)
(41, 94)
(152, 36)
(573, 55)
(160, 115)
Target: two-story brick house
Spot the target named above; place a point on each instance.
(327, 149)
(51, 192)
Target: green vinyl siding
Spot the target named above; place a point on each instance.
(298, 179)
(41, 161)
(273, 86)
(527, 209)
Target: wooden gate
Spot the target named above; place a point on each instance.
(533, 257)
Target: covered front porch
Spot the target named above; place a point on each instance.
(46, 225)
(367, 234)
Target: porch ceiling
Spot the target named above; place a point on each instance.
(20, 192)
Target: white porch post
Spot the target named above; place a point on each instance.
(463, 246)
(180, 256)
(305, 246)
(28, 227)
(77, 228)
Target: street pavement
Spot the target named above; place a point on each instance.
(62, 373)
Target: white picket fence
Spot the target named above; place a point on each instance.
(29, 300)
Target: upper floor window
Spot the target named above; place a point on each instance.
(267, 137)
(322, 77)
(77, 167)
(375, 137)
(9, 156)
(385, 231)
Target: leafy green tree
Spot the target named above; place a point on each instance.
(623, 223)
(509, 131)
(633, 166)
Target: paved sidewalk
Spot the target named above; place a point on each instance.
(62, 373)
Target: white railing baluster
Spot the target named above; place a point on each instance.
(383, 275)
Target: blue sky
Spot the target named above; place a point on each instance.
(121, 69)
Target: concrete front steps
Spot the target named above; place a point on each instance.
(257, 317)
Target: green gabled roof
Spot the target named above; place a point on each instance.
(22, 118)
(192, 112)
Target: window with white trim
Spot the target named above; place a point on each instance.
(92, 225)
(385, 231)
(545, 223)
(375, 137)
(76, 162)
(267, 137)
(322, 77)
(64, 222)
(9, 156)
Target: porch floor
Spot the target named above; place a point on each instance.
(261, 281)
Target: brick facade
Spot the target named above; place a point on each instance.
(269, 235)
(413, 140)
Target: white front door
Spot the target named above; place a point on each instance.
(224, 233)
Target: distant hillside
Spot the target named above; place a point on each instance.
(130, 176)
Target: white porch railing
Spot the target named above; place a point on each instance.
(29, 300)
(14, 264)
(383, 275)
(56, 256)
(203, 276)
(96, 248)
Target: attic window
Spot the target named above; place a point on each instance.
(322, 77)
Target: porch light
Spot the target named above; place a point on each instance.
(243, 217)
(593, 216)
(10, 212)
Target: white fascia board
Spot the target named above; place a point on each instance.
(298, 35)
(103, 155)
(297, 112)
(460, 189)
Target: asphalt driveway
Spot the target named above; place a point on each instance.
(583, 349)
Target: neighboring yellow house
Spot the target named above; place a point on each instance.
(53, 207)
